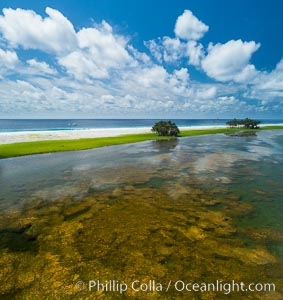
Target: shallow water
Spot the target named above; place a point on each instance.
(196, 209)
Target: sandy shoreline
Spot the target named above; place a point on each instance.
(31, 136)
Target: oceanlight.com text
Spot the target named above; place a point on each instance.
(116, 286)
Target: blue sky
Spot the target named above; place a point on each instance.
(141, 59)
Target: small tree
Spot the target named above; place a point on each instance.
(246, 123)
(165, 128)
(232, 123)
(249, 123)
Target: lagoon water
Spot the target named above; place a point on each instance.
(198, 209)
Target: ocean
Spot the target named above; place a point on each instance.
(13, 125)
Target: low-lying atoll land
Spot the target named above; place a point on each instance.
(72, 140)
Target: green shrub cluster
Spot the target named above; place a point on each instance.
(165, 128)
(245, 123)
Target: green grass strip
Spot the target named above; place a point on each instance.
(28, 148)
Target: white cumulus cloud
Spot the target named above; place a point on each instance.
(188, 30)
(194, 52)
(25, 28)
(268, 86)
(230, 61)
(106, 48)
(189, 27)
(99, 51)
(173, 49)
(8, 59)
(41, 67)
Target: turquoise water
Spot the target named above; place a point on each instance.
(212, 201)
(70, 124)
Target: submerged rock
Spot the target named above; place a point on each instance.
(130, 233)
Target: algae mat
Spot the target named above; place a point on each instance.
(196, 210)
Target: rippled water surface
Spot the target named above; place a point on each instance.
(196, 209)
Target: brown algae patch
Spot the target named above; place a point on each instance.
(131, 233)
